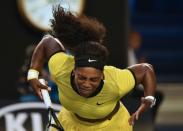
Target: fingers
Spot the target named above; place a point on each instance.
(44, 87)
(39, 94)
(137, 116)
(44, 84)
(131, 121)
(37, 86)
(133, 118)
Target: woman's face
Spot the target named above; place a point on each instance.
(87, 79)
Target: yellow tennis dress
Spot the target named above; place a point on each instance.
(116, 84)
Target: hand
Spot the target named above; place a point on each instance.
(145, 104)
(37, 86)
(134, 117)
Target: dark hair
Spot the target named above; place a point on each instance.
(93, 49)
(72, 29)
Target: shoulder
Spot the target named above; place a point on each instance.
(117, 72)
(141, 68)
(54, 41)
(109, 69)
(48, 38)
(60, 63)
(61, 56)
(140, 71)
(113, 71)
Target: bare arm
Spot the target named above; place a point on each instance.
(43, 51)
(144, 74)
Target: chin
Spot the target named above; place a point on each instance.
(84, 94)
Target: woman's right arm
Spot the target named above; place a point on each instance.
(42, 53)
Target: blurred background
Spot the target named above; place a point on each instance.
(137, 31)
(160, 27)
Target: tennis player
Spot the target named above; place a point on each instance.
(89, 89)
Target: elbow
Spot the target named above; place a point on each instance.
(143, 72)
(149, 73)
(147, 67)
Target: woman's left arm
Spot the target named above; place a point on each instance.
(145, 75)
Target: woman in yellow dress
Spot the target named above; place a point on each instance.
(89, 89)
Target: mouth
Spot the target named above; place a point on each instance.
(84, 92)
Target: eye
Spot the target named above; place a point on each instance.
(81, 78)
(94, 79)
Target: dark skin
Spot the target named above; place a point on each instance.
(87, 79)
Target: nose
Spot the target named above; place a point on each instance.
(86, 84)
